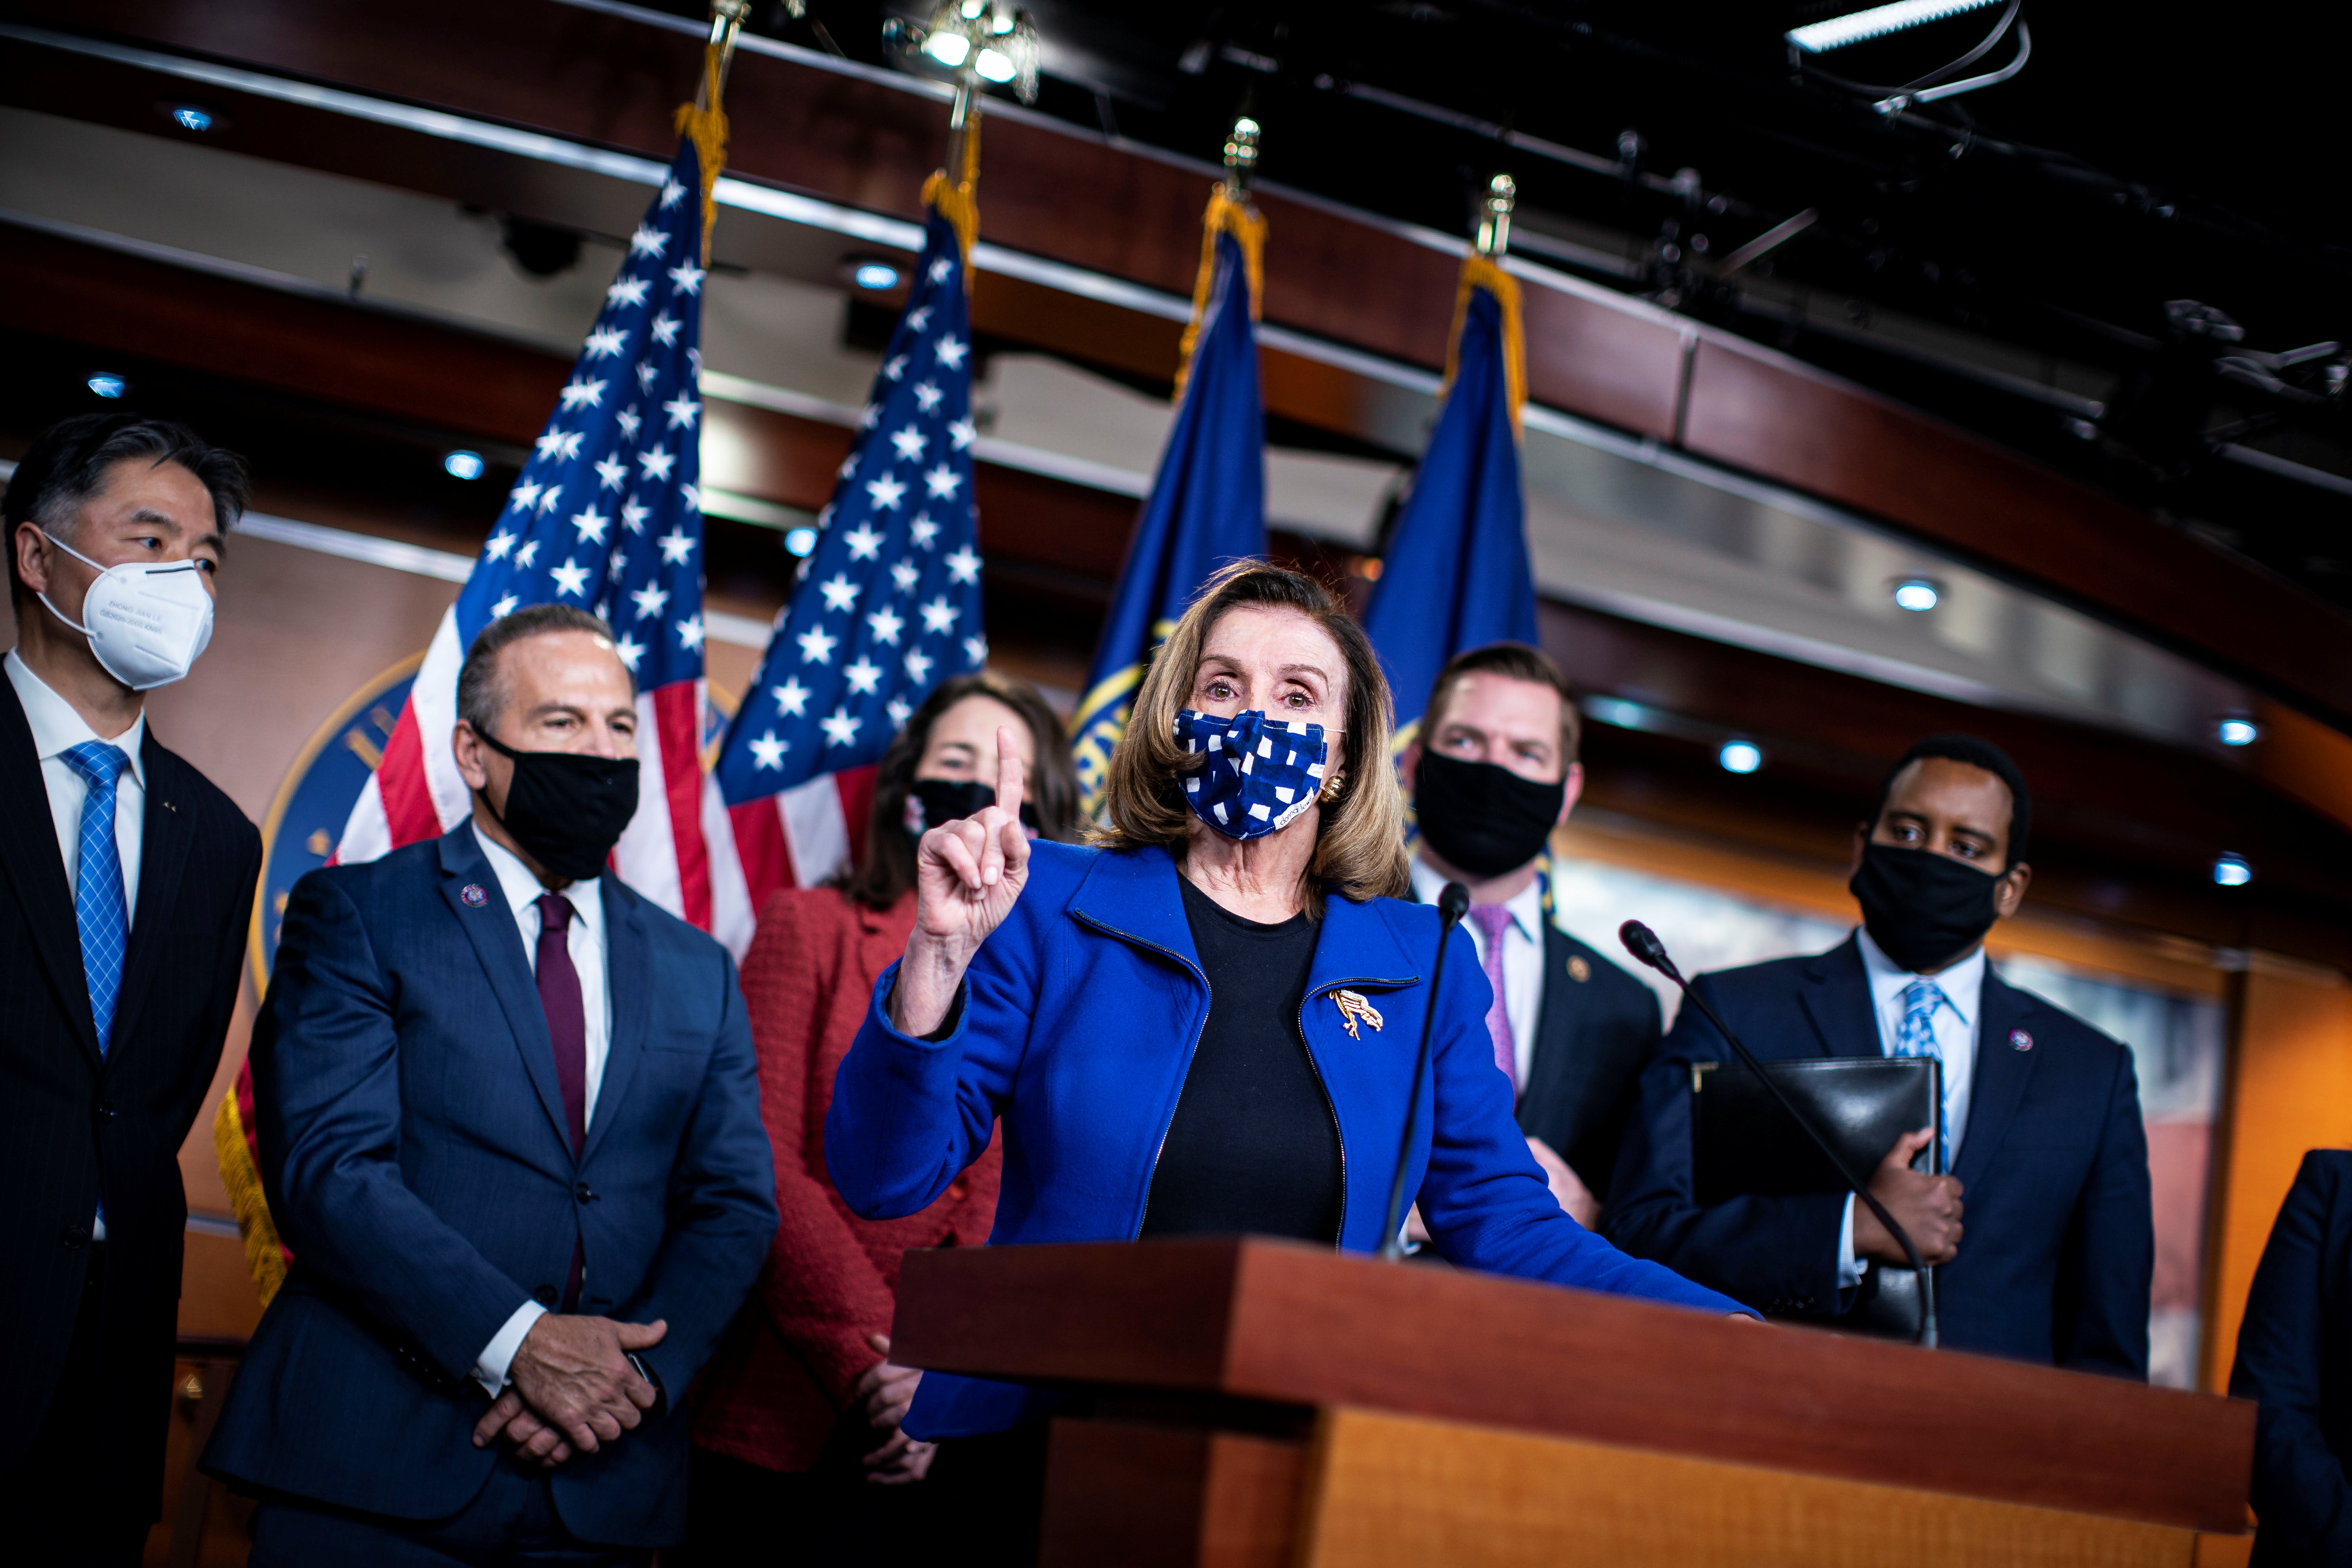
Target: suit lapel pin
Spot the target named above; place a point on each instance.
(472, 893)
(1578, 970)
(1352, 1006)
(2019, 1040)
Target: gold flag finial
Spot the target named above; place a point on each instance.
(1231, 211)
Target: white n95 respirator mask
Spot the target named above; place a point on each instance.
(146, 623)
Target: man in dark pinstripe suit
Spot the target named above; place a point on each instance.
(126, 885)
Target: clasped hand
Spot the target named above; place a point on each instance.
(571, 1388)
(1927, 1207)
(967, 875)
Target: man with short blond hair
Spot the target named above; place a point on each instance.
(1493, 770)
(510, 1119)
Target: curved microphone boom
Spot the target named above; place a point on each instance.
(1644, 944)
(1451, 905)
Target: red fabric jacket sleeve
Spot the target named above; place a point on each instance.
(820, 1290)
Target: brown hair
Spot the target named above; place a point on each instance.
(887, 870)
(1512, 661)
(1359, 847)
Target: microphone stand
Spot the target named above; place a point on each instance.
(1644, 944)
(1451, 904)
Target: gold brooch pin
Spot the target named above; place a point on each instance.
(1352, 1006)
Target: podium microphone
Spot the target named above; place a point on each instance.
(1451, 905)
(1644, 944)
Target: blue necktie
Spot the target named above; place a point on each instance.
(98, 905)
(1916, 1038)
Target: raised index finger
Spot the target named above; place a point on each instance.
(1008, 773)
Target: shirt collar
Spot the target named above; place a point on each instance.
(1962, 984)
(58, 729)
(1525, 906)
(522, 890)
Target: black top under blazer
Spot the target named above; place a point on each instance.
(70, 1120)
(2294, 1359)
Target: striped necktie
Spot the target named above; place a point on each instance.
(1916, 1036)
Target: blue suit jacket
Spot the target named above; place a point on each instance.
(2294, 1357)
(2058, 1242)
(415, 1155)
(1080, 1017)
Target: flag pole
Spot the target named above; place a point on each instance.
(1231, 211)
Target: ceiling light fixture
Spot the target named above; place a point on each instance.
(1918, 594)
(873, 275)
(106, 383)
(799, 541)
(1858, 27)
(2232, 871)
(2236, 729)
(1740, 756)
(990, 38)
(464, 465)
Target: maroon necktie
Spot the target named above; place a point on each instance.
(567, 1031)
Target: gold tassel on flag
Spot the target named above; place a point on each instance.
(1483, 269)
(959, 202)
(1230, 212)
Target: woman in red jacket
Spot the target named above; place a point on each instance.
(798, 1456)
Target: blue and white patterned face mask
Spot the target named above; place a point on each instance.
(1260, 774)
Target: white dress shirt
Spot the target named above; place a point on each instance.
(1955, 1027)
(584, 941)
(1523, 958)
(56, 730)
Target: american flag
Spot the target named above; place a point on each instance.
(605, 516)
(887, 604)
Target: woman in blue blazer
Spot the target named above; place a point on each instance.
(1207, 1024)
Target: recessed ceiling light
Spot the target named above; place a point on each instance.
(193, 116)
(463, 464)
(2236, 729)
(1740, 756)
(2232, 871)
(799, 541)
(874, 275)
(1918, 594)
(106, 383)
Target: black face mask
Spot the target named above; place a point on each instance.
(1922, 909)
(1482, 817)
(933, 801)
(567, 809)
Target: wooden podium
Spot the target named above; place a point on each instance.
(1267, 1403)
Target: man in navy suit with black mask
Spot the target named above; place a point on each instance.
(2041, 1116)
(510, 1125)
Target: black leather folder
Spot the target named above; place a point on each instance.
(1744, 1144)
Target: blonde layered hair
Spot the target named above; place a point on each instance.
(1359, 845)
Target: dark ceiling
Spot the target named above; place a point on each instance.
(2016, 259)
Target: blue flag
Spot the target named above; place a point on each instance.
(1207, 504)
(1456, 575)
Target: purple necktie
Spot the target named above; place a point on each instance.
(1493, 921)
(567, 1031)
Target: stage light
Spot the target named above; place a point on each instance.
(948, 48)
(1837, 32)
(1918, 594)
(800, 542)
(2236, 729)
(463, 464)
(106, 383)
(1740, 756)
(875, 275)
(191, 116)
(995, 65)
(2232, 871)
